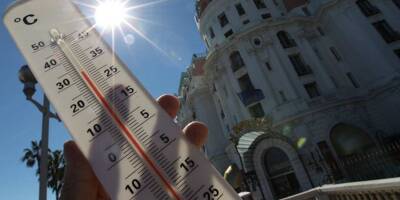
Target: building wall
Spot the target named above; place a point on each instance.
(198, 104)
(355, 70)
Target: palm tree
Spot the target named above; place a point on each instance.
(32, 155)
(56, 165)
(56, 172)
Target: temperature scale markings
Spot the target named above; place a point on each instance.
(129, 135)
(96, 136)
(141, 124)
(116, 162)
(149, 183)
(61, 76)
(42, 48)
(186, 175)
(76, 97)
(119, 139)
(129, 114)
(196, 192)
(55, 66)
(136, 166)
(167, 145)
(68, 36)
(65, 88)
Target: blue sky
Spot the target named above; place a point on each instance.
(171, 26)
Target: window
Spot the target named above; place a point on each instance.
(285, 40)
(240, 10)
(334, 81)
(386, 31)
(299, 65)
(257, 42)
(367, 8)
(256, 111)
(281, 174)
(266, 16)
(397, 52)
(268, 66)
(306, 11)
(353, 80)
(207, 43)
(330, 160)
(335, 53)
(259, 4)
(228, 33)
(312, 90)
(397, 2)
(245, 83)
(211, 32)
(246, 21)
(194, 115)
(223, 20)
(283, 96)
(321, 32)
(222, 110)
(316, 51)
(236, 61)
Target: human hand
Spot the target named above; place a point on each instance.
(80, 182)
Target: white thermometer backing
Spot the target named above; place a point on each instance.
(133, 146)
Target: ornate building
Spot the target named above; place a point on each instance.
(298, 93)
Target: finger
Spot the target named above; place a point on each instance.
(197, 133)
(80, 181)
(102, 194)
(170, 104)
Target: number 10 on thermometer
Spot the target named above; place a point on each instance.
(133, 146)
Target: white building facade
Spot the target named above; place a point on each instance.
(298, 88)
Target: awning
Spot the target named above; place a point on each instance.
(246, 146)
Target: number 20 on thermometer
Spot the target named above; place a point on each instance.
(134, 147)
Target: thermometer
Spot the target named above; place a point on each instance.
(133, 146)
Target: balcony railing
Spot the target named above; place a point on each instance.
(251, 96)
(384, 189)
(376, 163)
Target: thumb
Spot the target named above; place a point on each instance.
(79, 181)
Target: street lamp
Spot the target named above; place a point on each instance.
(26, 77)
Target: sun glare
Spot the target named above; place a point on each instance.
(117, 17)
(110, 14)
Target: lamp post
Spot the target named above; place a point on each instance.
(29, 81)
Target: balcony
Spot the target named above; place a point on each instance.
(384, 189)
(251, 96)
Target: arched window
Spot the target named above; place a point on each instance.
(286, 40)
(348, 140)
(236, 61)
(282, 177)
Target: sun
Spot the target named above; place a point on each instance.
(118, 17)
(110, 14)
